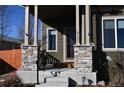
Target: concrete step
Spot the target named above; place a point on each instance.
(58, 78)
(48, 72)
(61, 78)
(53, 84)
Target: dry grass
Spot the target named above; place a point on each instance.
(118, 83)
(90, 86)
(114, 84)
(12, 80)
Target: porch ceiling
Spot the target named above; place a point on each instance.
(56, 15)
(64, 15)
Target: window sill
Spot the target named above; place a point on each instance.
(113, 50)
(51, 51)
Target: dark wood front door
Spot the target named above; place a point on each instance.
(70, 41)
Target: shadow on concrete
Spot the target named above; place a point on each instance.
(5, 67)
(71, 82)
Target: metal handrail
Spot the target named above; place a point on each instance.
(45, 58)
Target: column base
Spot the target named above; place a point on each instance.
(83, 78)
(27, 76)
(29, 57)
(83, 74)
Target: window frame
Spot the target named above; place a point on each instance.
(115, 18)
(47, 38)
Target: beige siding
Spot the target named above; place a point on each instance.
(59, 53)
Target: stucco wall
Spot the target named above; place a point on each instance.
(10, 60)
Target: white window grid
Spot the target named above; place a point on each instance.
(115, 18)
(47, 38)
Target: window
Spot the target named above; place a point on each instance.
(113, 32)
(51, 40)
(109, 37)
(120, 33)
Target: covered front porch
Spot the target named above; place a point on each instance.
(67, 19)
(61, 18)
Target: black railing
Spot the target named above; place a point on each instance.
(45, 59)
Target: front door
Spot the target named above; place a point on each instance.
(70, 39)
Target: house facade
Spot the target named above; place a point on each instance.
(9, 43)
(106, 33)
(70, 32)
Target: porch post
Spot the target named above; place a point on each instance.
(77, 25)
(87, 13)
(83, 53)
(35, 25)
(83, 40)
(26, 24)
(29, 52)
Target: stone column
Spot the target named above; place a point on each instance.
(83, 28)
(83, 53)
(87, 14)
(27, 72)
(26, 24)
(77, 25)
(29, 52)
(35, 25)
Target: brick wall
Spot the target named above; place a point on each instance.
(12, 58)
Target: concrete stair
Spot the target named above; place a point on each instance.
(57, 77)
(53, 84)
(48, 80)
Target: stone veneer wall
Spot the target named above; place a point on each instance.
(83, 65)
(83, 58)
(29, 57)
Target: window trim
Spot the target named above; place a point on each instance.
(47, 38)
(115, 18)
